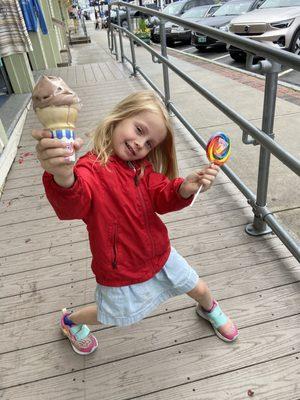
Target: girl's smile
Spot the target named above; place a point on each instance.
(134, 137)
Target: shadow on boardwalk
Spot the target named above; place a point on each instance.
(45, 265)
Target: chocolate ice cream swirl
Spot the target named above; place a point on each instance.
(53, 91)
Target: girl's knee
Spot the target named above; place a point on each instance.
(200, 290)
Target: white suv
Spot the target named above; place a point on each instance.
(275, 22)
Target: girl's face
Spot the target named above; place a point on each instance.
(134, 137)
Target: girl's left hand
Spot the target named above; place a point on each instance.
(193, 181)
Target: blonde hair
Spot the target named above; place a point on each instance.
(163, 156)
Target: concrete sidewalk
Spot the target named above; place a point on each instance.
(244, 93)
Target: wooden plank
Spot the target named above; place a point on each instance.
(27, 191)
(80, 75)
(33, 277)
(23, 203)
(33, 280)
(276, 379)
(239, 256)
(46, 240)
(223, 285)
(114, 70)
(98, 73)
(254, 308)
(29, 241)
(166, 368)
(62, 72)
(32, 214)
(89, 74)
(106, 72)
(36, 227)
(42, 258)
(200, 246)
(71, 77)
(19, 174)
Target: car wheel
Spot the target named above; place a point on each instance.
(155, 39)
(201, 48)
(295, 47)
(239, 57)
(169, 42)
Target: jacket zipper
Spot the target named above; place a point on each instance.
(136, 181)
(115, 241)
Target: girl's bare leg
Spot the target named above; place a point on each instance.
(202, 294)
(86, 315)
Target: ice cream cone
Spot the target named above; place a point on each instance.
(63, 117)
(56, 106)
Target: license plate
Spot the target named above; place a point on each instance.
(201, 39)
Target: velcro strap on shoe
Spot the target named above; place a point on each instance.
(80, 331)
(217, 317)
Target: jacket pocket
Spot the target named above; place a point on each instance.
(115, 235)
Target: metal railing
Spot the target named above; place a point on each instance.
(264, 221)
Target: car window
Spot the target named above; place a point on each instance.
(280, 3)
(173, 8)
(196, 12)
(212, 10)
(205, 2)
(234, 8)
(189, 5)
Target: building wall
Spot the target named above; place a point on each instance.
(46, 54)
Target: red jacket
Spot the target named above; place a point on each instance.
(128, 241)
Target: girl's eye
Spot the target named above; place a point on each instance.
(139, 130)
(149, 144)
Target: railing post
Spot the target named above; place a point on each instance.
(115, 47)
(109, 29)
(163, 42)
(271, 70)
(120, 34)
(131, 42)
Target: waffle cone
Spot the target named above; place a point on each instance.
(63, 117)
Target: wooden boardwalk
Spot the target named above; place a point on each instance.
(172, 354)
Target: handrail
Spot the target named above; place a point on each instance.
(264, 136)
(249, 45)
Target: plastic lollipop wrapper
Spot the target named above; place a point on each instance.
(218, 148)
(218, 151)
(57, 107)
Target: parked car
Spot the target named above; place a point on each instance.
(276, 22)
(132, 13)
(176, 9)
(177, 33)
(151, 6)
(220, 20)
(114, 19)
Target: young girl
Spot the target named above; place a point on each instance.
(118, 189)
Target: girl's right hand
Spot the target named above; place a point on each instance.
(53, 156)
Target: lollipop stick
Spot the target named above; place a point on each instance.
(196, 195)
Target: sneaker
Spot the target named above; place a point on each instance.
(218, 319)
(82, 341)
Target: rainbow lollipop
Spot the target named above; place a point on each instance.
(218, 150)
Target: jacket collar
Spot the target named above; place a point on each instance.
(126, 164)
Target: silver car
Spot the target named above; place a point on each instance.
(275, 22)
(177, 33)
